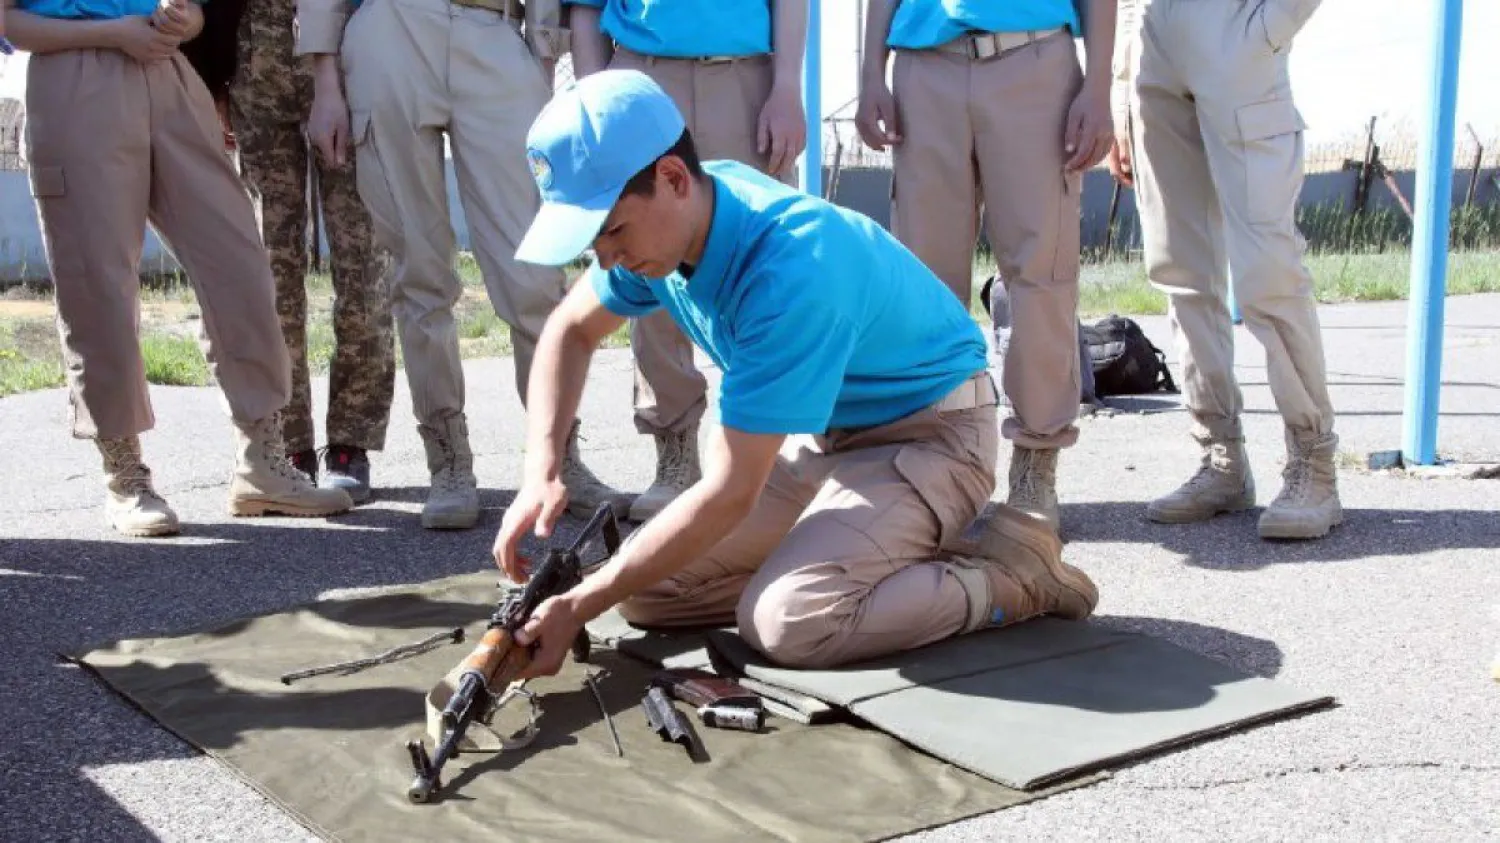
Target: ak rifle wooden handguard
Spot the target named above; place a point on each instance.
(497, 657)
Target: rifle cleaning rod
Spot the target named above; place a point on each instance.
(608, 721)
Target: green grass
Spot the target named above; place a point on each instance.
(173, 360)
(18, 374)
(29, 357)
(1120, 287)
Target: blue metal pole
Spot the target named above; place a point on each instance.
(1429, 257)
(812, 99)
(1234, 305)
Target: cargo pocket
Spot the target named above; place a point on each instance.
(940, 484)
(1279, 25)
(371, 182)
(48, 183)
(1270, 135)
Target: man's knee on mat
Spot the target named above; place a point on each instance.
(651, 608)
(779, 623)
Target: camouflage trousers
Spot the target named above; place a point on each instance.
(274, 157)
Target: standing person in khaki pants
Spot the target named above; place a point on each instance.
(734, 68)
(121, 131)
(990, 108)
(417, 72)
(1209, 136)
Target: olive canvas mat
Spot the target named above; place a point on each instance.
(331, 749)
(1024, 706)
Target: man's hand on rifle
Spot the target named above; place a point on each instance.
(539, 504)
(553, 628)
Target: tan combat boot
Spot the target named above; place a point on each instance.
(1223, 484)
(1015, 571)
(266, 483)
(131, 506)
(586, 491)
(677, 468)
(453, 499)
(1308, 506)
(1033, 482)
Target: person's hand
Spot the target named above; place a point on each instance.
(1089, 127)
(552, 628)
(328, 125)
(135, 36)
(171, 18)
(781, 132)
(538, 505)
(1120, 164)
(876, 118)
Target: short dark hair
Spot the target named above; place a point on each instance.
(643, 183)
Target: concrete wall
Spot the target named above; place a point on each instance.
(867, 190)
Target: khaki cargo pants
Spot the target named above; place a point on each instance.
(1218, 156)
(842, 557)
(988, 133)
(114, 144)
(417, 72)
(721, 102)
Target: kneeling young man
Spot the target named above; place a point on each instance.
(857, 434)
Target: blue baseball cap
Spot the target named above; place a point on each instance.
(583, 147)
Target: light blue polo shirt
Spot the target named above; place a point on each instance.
(921, 24)
(817, 317)
(686, 28)
(89, 9)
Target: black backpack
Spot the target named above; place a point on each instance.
(1125, 361)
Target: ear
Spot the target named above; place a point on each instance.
(672, 174)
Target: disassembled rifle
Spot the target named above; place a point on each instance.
(721, 702)
(497, 659)
(664, 718)
(608, 720)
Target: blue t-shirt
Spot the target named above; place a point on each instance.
(88, 9)
(921, 24)
(686, 28)
(817, 317)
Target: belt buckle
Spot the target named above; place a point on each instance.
(983, 47)
(711, 60)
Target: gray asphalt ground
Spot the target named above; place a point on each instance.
(1397, 614)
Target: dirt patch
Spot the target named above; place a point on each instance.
(26, 309)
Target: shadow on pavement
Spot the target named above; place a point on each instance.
(1259, 656)
(1230, 542)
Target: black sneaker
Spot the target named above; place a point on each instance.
(348, 469)
(305, 462)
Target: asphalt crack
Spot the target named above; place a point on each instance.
(1326, 770)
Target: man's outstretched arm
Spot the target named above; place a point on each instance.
(736, 467)
(559, 368)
